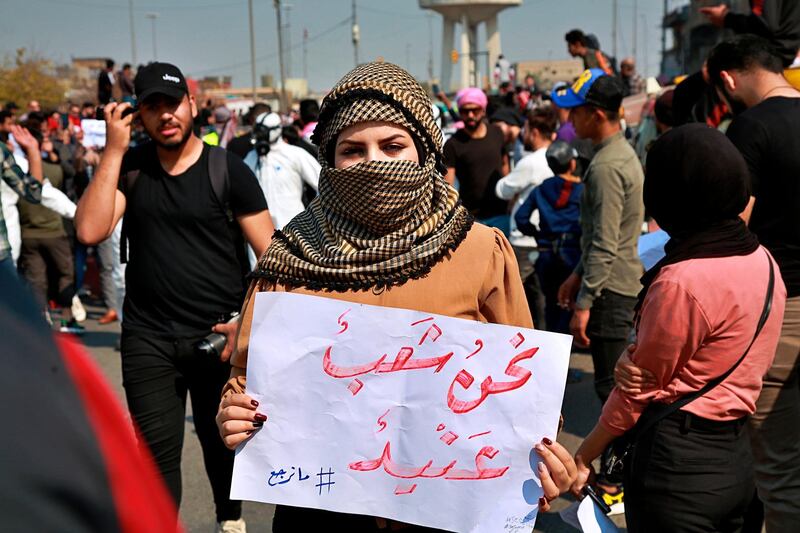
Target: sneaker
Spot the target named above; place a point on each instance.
(615, 501)
(78, 311)
(71, 327)
(231, 526)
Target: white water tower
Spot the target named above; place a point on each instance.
(468, 13)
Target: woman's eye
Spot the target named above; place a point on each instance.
(350, 151)
(394, 147)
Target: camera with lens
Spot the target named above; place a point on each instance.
(214, 343)
(100, 112)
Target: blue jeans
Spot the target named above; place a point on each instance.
(8, 264)
(81, 251)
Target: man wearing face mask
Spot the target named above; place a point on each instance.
(186, 271)
(281, 169)
(476, 156)
(747, 71)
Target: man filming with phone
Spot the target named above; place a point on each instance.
(189, 209)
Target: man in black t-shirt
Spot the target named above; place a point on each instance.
(748, 73)
(186, 270)
(476, 156)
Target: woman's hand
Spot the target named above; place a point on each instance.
(237, 419)
(557, 471)
(630, 378)
(585, 477)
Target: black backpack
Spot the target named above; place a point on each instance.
(220, 184)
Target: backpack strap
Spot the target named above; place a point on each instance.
(128, 180)
(221, 185)
(220, 181)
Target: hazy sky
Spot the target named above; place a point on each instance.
(209, 37)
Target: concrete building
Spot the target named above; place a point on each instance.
(469, 14)
(548, 72)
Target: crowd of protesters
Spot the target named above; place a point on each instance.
(536, 202)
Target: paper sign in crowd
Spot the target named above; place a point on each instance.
(420, 418)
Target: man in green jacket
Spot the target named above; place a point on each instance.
(603, 289)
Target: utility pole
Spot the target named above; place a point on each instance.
(646, 55)
(356, 34)
(288, 36)
(635, 29)
(153, 17)
(284, 100)
(133, 34)
(305, 53)
(664, 35)
(614, 29)
(252, 50)
(430, 47)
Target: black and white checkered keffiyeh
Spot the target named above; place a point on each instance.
(378, 223)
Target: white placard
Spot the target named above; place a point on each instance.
(94, 133)
(420, 418)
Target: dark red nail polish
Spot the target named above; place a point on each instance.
(254, 403)
(542, 502)
(249, 432)
(258, 424)
(260, 417)
(547, 442)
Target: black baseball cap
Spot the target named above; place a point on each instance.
(160, 78)
(559, 154)
(593, 87)
(509, 116)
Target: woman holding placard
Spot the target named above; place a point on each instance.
(386, 230)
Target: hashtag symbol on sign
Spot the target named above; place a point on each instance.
(327, 483)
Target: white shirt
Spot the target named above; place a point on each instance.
(281, 174)
(531, 171)
(52, 199)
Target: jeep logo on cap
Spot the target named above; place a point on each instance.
(167, 77)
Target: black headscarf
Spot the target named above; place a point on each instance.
(696, 185)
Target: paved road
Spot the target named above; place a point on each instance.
(581, 408)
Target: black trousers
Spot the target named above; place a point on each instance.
(689, 474)
(156, 374)
(45, 259)
(610, 324)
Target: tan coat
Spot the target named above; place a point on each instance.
(479, 281)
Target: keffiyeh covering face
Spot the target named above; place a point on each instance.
(374, 224)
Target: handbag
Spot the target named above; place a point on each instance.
(622, 447)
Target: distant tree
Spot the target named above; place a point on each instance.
(29, 77)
